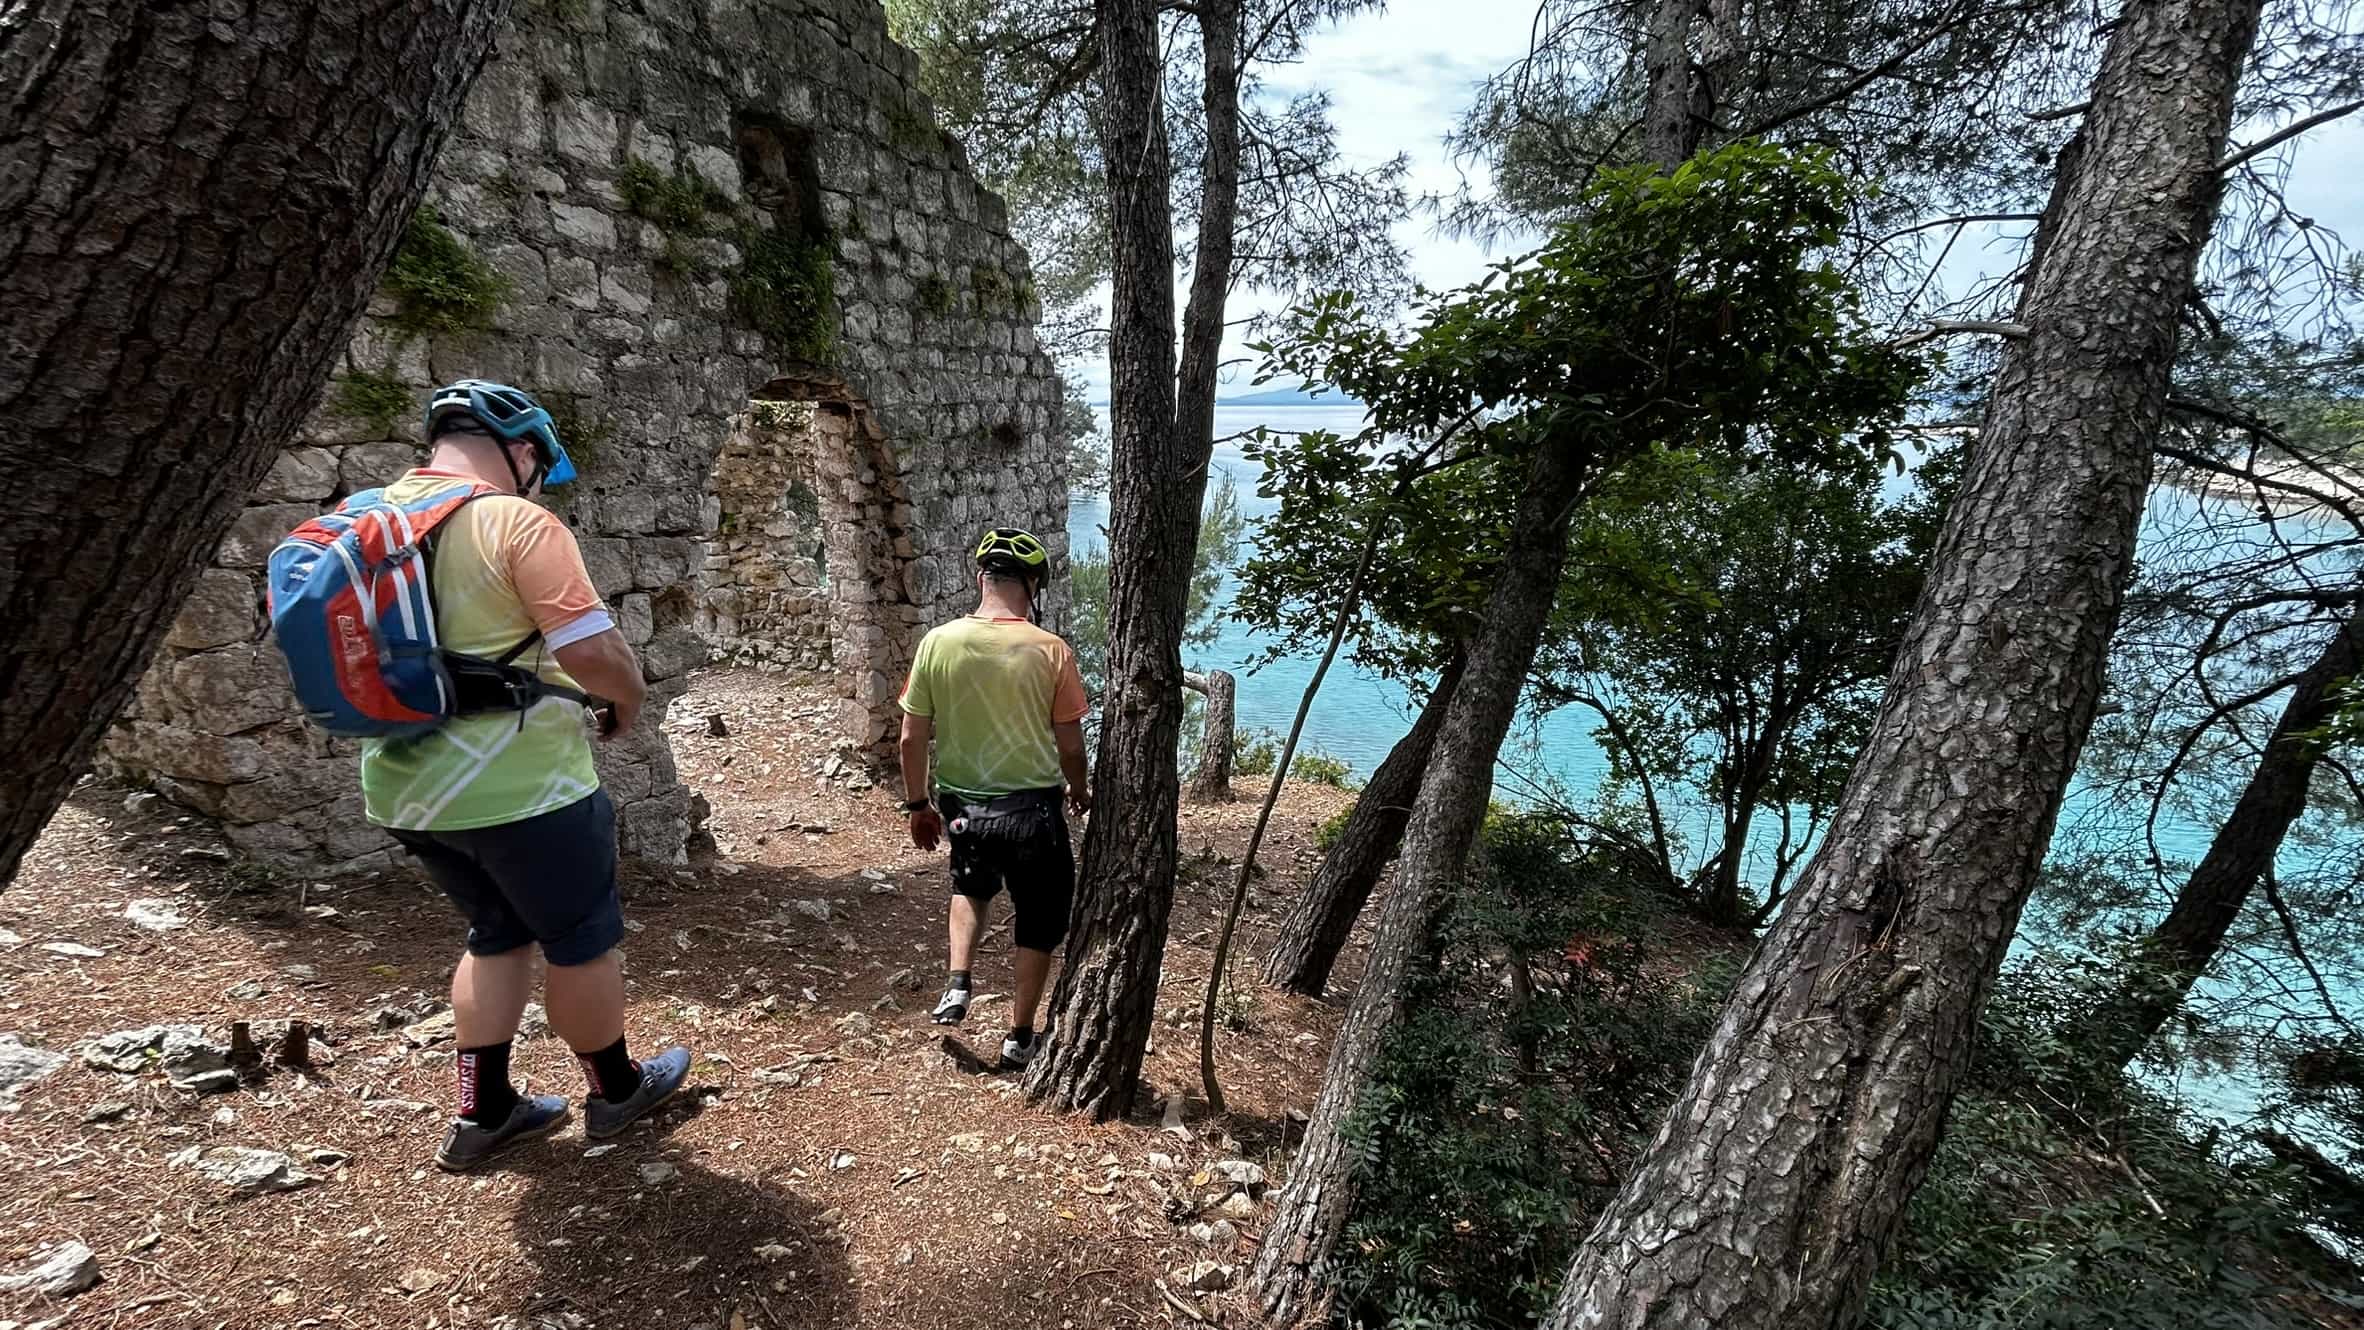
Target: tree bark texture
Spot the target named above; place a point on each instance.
(1784, 1167)
(195, 204)
(1211, 783)
(1314, 931)
(1292, 1266)
(1105, 1001)
(2184, 944)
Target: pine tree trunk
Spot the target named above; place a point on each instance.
(1211, 783)
(1102, 1008)
(1784, 1167)
(195, 204)
(2186, 942)
(1292, 1265)
(1316, 927)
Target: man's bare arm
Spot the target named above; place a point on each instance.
(604, 665)
(1071, 762)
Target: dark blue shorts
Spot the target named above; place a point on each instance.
(549, 879)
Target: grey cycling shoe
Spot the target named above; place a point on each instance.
(471, 1144)
(660, 1076)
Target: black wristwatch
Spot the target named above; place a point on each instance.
(917, 805)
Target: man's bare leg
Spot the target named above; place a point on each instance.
(488, 996)
(964, 928)
(1034, 971)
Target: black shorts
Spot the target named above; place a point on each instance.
(549, 879)
(1018, 841)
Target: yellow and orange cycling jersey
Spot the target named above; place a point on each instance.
(504, 568)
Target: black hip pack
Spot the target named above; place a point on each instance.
(1008, 819)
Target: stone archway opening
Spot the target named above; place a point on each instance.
(810, 569)
(764, 599)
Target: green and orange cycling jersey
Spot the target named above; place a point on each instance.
(994, 688)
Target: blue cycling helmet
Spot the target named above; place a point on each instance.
(509, 413)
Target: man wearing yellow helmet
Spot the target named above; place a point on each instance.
(1003, 702)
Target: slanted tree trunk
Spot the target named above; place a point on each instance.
(195, 204)
(1784, 1167)
(1211, 783)
(1291, 1272)
(2186, 942)
(1102, 1008)
(1315, 929)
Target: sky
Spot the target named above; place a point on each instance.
(1400, 77)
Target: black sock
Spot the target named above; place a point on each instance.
(959, 979)
(486, 1096)
(614, 1076)
(1023, 1035)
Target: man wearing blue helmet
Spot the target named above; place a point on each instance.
(502, 805)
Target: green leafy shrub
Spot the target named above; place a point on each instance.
(1319, 768)
(1499, 1113)
(1332, 830)
(786, 290)
(375, 398)
(2065, 1195)
(440, 285)
(1254, 752)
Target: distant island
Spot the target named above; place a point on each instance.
(1290, 397)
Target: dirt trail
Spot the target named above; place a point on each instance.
(834, 1167)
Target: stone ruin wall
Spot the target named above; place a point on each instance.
(933, 409)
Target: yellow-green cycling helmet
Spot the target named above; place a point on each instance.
(1006, 549)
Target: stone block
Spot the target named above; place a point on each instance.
(224, 608)
(576, 280)
(186, 754)
(235, 688)
(306, 475)
(665, 561)
(673, 652)
(633, 512)
(635, 618)
(655, 829)
(609, 561)
(584, 225)
(258, 530)
(625, 288)
(585, 132)
(371, 465)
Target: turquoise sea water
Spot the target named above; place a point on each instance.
(1359, 716)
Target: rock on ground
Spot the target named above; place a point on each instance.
(244, 1170)
(61, 1272)
(134, 1051)
(22, 1064)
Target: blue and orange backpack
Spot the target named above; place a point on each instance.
(353, 609)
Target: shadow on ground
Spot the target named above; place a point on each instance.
(630, 1239)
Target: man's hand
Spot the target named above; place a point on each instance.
(927, 827)
(1079, 800)
(615, 719)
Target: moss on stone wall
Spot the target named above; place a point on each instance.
(991, 287)
(440, 285)
(681, 201)
(375, 398)
(786, 289)
(935, 294)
